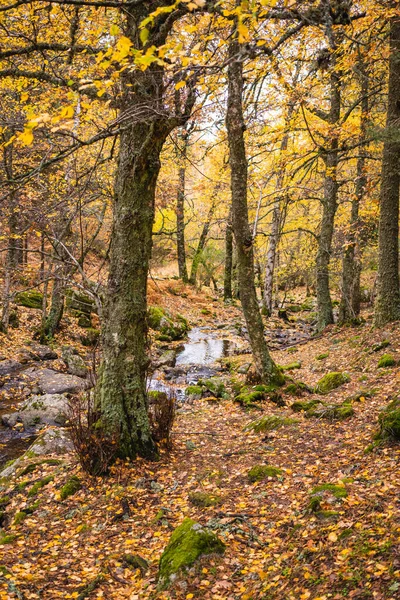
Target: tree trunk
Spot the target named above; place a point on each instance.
(265, 366)
(329, 206)
(387, 307)
(349, 308)
(276, 220)
(202, 243)
(180, 212)
(228, 259)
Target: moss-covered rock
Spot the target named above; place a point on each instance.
(328, 492)
(188, 543)
(72, 486)
(19, 517)
(170, 327)
(39, 485)
(291, 366)
(387, 360)
(90, 337)
(79, 303)
(249, 399)
(260, 472)
(135, 561)
(322, 356)
(194, 391)
(389, 422)
(214, 386)
(29, 299)
(305, 405)
(331, 412)
(380, 345)
(84, 321)
(361, 395)
(269, 423)
(203, 499)
(297, 388)
(331, 381)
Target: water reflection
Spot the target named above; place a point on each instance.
(202, 349)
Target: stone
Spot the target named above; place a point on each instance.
(53, 382)
(9, 366)
(49, 409)
(187, 544)
(43, 352)
(74, 362)
(167, 359)
(331, 381)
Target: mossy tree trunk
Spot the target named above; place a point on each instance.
(180, 209)
(330, 192)
(387, 307)
(228, 258)
(349, 308)
(121, 387)
(264, 364)
(203, 240)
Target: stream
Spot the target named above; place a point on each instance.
(196, 359)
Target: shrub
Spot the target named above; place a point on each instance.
(96, 449)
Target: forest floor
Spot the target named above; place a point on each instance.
(276, 546)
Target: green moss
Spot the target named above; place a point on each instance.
(297, 388)
(7, 539)
(90, 337)
(170, 328)
(19, 517)
(85, 322)
(248, 399)
(4, 500)
(39, 484)
(387, 360)
(292, 350)
(72, 486)
(79, 302)
(338, 492)
(260, 472)
(304, 406)
(389, 422)
(21, 486)
(322, 356)
(188, 543)
(135, 561)
(214, 385)
(331, 381)
(203, 499)
(358, 396)
(193, 390)
(331, 412)
(380, 346)
(326, 514)
(269, 423)
(292, 366)
(29, 299)
(4, 570)
(33, 466)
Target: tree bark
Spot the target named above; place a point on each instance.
(202, 241)
(349, 308)
(228, 258)
(121, 387)
(329, 202)
(387, 307)
(265, 366)
(180, 211)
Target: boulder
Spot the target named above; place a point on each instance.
(188, 543)
(9, 366)
(49, 409)
(48, 381)
(167, 359)
(169, 327)
(40, 352)
(74, 362)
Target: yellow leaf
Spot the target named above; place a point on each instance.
(332, 537)
(26, 137)
(24, 96)
(243, 33)
(67, 112)
(180, 85)
(144, 35)
(114, 30)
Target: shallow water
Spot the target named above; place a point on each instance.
(203, 348)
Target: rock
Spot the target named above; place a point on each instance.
(387, 360)
(9, 366)
(389, 422)
(167, 359)
(70, 488)
(90, 337)
(29, 299)
(51, 441)
(80, 303)
(170, 327)
(52, 382)
(75, 363)
(331, 381)
(244, 368)
(49, 409)
(41, 352)
(188, 543)
(190, 445)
